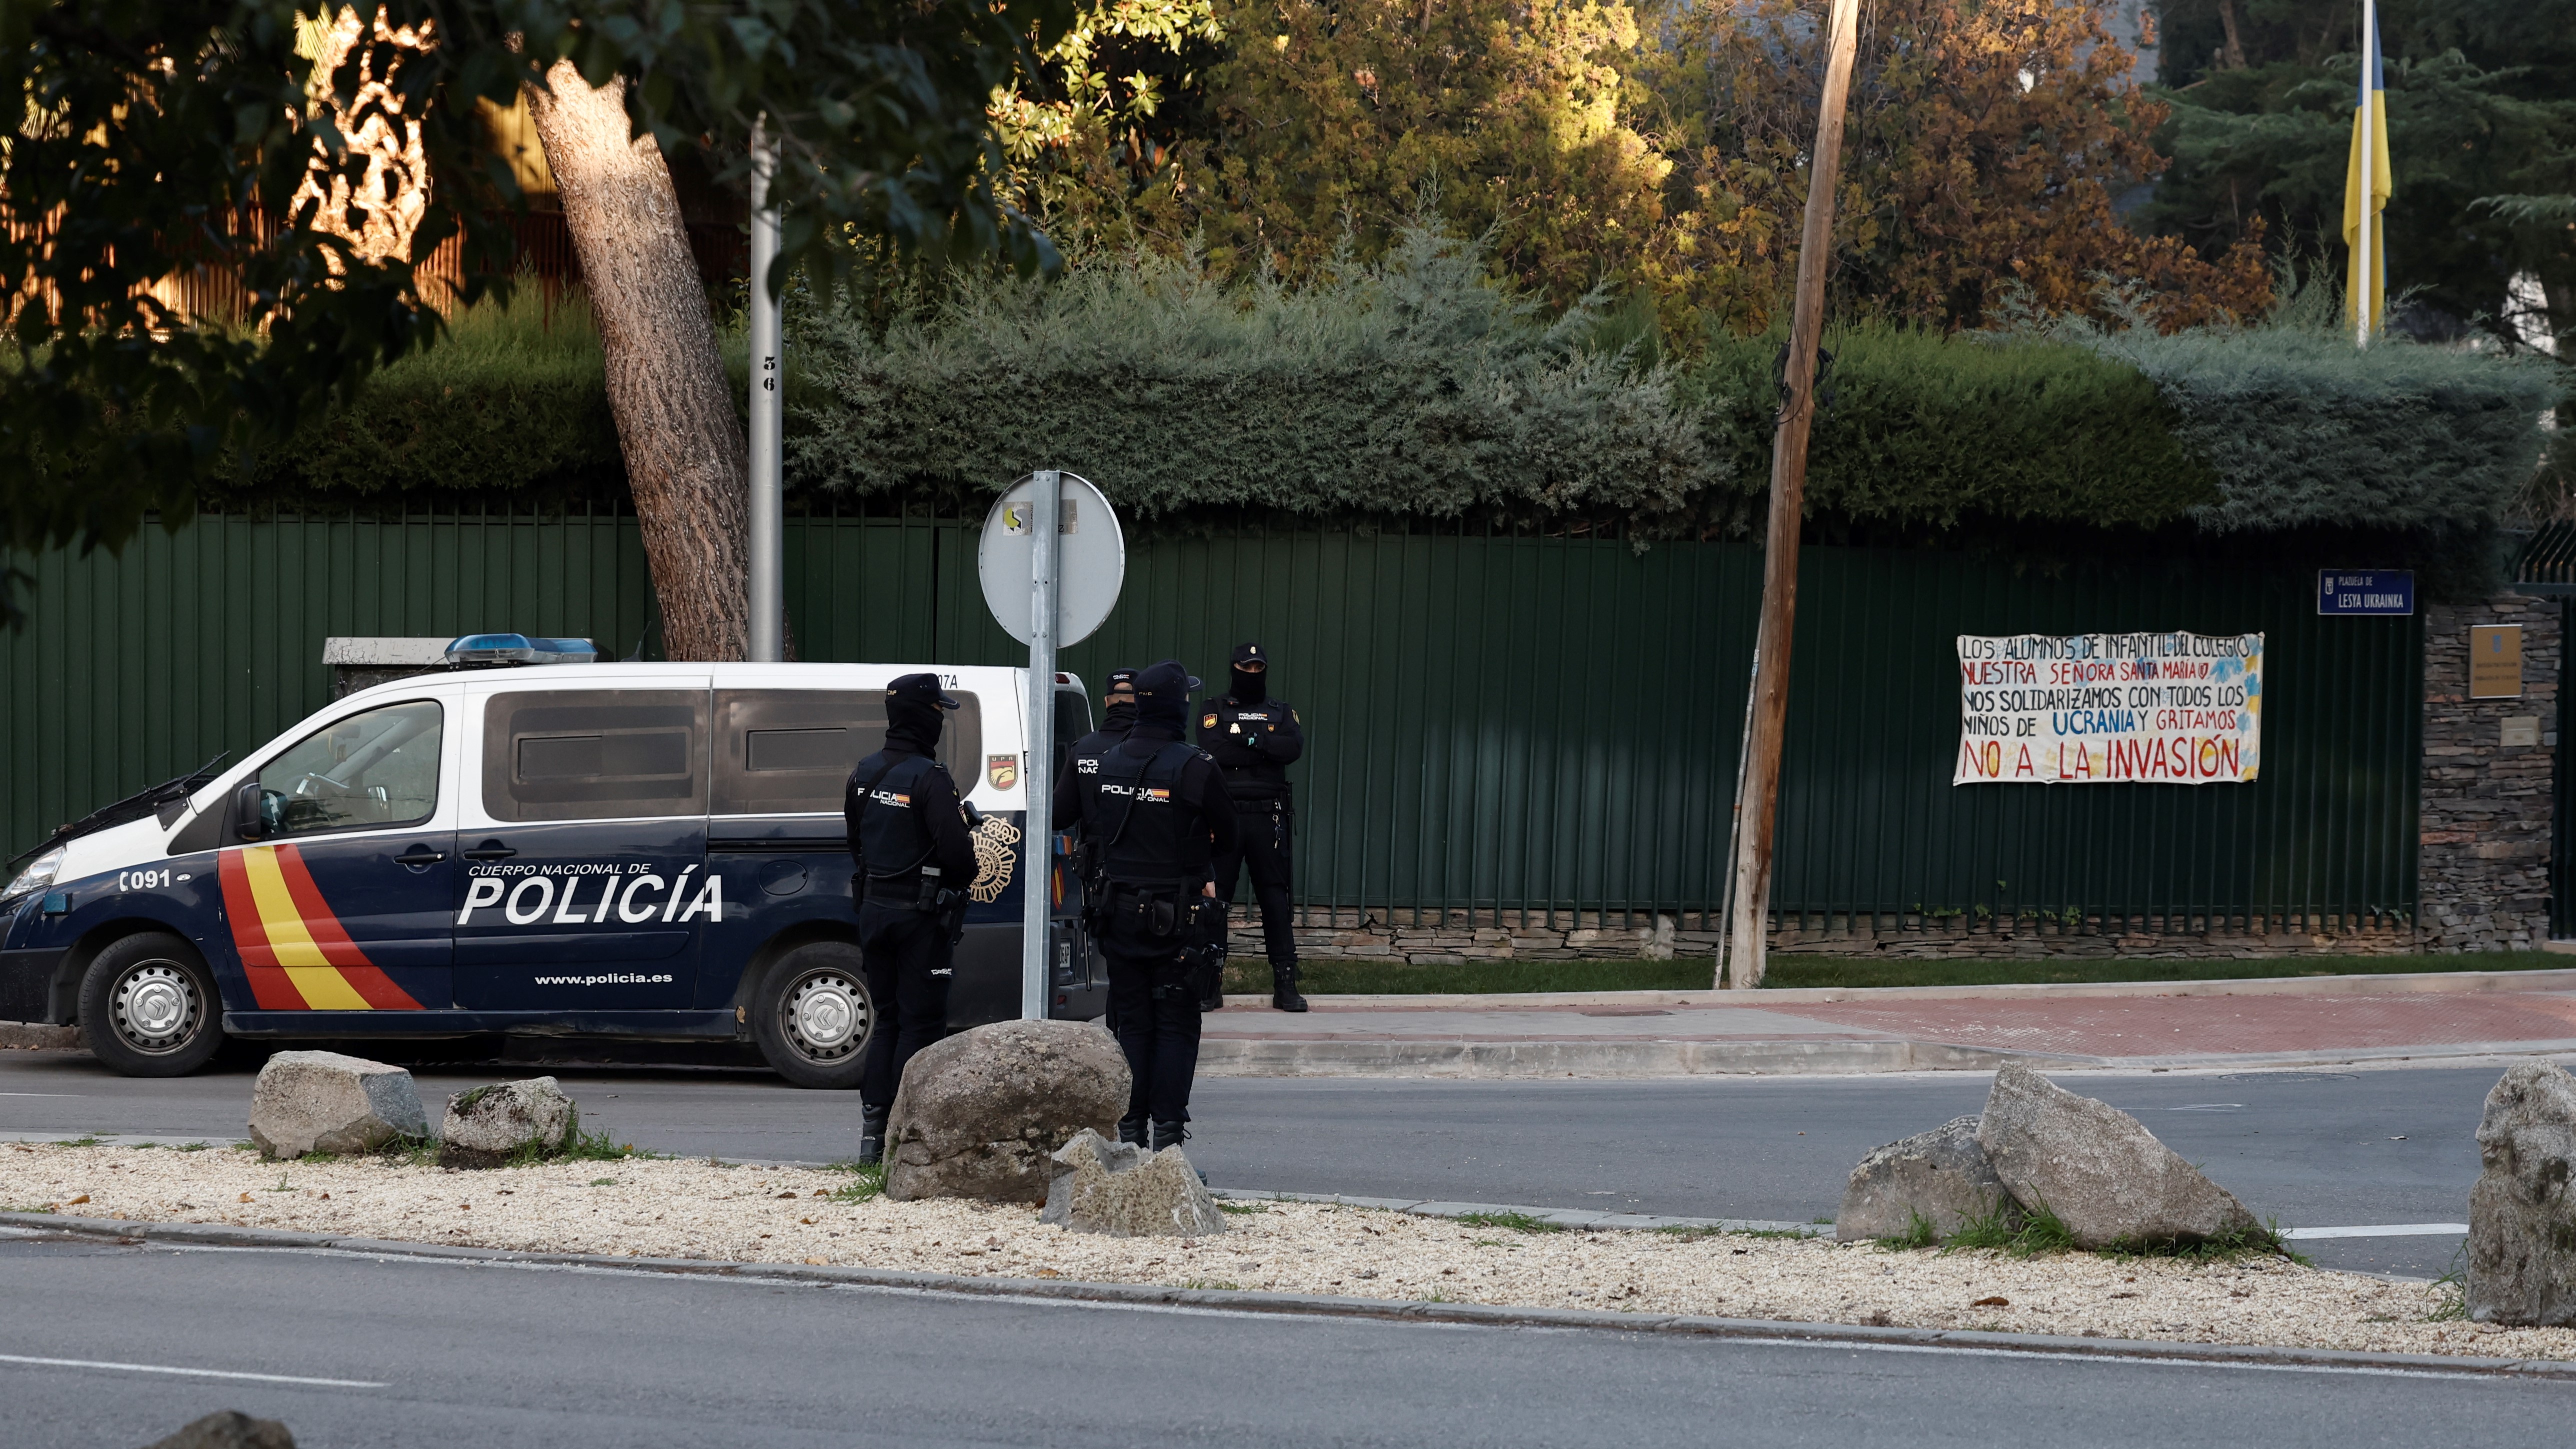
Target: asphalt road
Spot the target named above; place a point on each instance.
(439, 1354)
(2313, 1149)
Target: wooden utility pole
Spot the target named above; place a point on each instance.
(1758, 807)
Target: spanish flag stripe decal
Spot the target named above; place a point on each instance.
(363, 976)
(292, 945)
(270, 989)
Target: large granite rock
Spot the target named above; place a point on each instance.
(229, 1429)
(1116, 1188)
(325, 1102)
(488, 1126)
(2098, 1168)
(979, 1114)
(2522, 1217)
(1941, 1176)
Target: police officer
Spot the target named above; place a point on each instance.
(1117, 718)
(1155, 812)
(915, 863)
(1254, 737)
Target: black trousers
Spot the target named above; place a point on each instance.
(1262, 832)
(1157, 1029)
(904, 954)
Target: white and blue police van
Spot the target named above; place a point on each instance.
(535, 843)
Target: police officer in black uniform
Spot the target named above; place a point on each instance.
(1254, 737)
(1155, 812)
(915, 863)
(1117, 718)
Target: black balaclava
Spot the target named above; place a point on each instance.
(1162, 701)
(1121, 716)
(913, 718)
(1251, 686)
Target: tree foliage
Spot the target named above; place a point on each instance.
(2482, 141)
(160, 136)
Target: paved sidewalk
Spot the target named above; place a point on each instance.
(2291, 1021)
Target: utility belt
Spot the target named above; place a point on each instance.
(1251, 791)
(1165, 909)
(913, 890)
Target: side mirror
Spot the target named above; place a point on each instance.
(248, 823)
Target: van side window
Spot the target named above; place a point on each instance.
(374, 769)
(594, 754)
(789, 751)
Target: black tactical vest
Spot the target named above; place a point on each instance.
(893, 839)
(1147, 832)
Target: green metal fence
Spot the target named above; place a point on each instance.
(1499, 722)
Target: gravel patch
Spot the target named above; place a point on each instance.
(728, 1213)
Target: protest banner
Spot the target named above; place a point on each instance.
(2181, 709)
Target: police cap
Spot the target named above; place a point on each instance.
(920, 689)
(1167, 680)
(1120, 679)
(1251, 654)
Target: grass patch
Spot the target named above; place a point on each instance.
(1920, 1232)
(1243, 1209)
(45, 1208)
(2007, 1228)
(1846, 972)
(2451, 1291)
(1517, 1222)
(1226, 1285)
(193, 1147)
(603, 1182)
(867, 1182)
(92, 1140)
(1247, 977)
(2260, 1242)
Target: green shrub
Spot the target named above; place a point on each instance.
(512, 403)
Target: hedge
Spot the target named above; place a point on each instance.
(1416, 387)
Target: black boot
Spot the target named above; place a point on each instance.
(1132, 1129)
(872, 1129)
(1283, 989)
(1166, 1134)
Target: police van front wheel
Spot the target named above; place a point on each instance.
(813, 1016)
(150, 1007)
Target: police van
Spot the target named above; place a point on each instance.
(652, 851)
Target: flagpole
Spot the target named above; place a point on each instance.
(2365, 242)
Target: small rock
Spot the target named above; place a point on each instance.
(2522, 1218)
(1942, 1175)
(231, 1428)
(2097, 1168)
(326, 1102)
(488, 1126)
(1110, 1187)
(979, 1114)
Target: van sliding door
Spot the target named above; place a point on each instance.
(584, 884)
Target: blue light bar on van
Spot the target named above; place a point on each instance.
(520, 649)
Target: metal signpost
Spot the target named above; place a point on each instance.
(768, 601)
(1052, 559)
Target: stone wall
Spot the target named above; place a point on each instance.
(2483, 876)
(1434, 937)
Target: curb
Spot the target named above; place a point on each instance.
(2410, 983)
(1631, 1057)
(1575, 1218)
(1321, 1306)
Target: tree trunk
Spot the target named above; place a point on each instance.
(2232, 55)
(666, 382)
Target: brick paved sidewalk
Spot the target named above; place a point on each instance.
(1670, 1034)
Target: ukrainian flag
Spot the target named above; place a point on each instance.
(2369, 129)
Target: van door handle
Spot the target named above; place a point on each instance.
(420, 857)
(490, 850)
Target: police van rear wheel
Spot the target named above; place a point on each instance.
(150, 1007)
(814, 1016)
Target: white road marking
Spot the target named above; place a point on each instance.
(2382, 1230)
(159, 1368)
(43, 1094)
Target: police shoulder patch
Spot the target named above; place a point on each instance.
(1207, 722)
